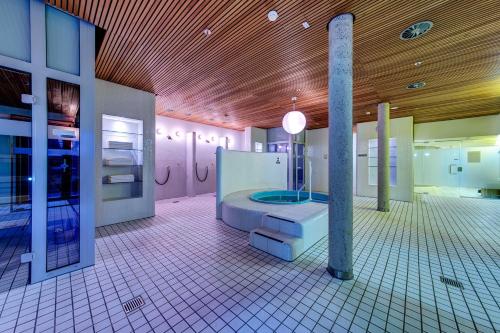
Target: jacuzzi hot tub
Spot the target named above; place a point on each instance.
(287, 197)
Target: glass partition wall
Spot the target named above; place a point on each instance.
(47, 86)
(15, 178)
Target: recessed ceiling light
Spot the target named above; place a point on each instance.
(272, 15)
(418, 63)
(416, 85)
(394, 107)
(306, 24)
(207, 32)
(416, 30)
(368, 112)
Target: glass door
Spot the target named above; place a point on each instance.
(15, 178)
(438, 167)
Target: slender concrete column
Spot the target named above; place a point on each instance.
(340, 146)
(383, 162)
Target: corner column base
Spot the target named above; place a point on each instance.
(340, 274)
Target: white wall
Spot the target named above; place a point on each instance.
(173, 153)
(239, 171)
(317, 152)
(402, 130)
(252, 135)
(117, 100)
(468, 127)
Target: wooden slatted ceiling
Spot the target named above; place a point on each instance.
(245, 73)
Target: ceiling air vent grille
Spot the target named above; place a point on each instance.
(416, 30)
(416, 85)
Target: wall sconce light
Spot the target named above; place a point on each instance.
(200, 137)
(159, 131)
(177, 133)
(213, 139)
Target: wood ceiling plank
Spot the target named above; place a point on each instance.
(245, 73)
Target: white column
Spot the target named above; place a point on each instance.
(383, 162)
(340, 146)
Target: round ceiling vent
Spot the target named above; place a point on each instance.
(416, 30)
(416, 85)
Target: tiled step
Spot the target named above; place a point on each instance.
(276, 243)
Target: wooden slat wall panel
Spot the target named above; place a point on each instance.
(245, 73)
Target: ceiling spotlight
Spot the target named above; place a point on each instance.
(368, 113)
(207, 32)
(272, 15)
(306, 24)
(416, 85)
(394, 107)
(418, 63)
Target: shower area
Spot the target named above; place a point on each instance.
(185, 157)
(462, 167)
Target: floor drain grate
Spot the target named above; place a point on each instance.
(451, 282)
(133, 304)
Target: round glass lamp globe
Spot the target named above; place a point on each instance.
(294, 122)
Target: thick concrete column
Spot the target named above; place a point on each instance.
(340, 146)
(383, 161)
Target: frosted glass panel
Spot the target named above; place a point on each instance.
(63, 41)
(15, 29)
(373, 161)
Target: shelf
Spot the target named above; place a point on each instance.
(124, 149)
(122, 198)
(134, 182)
(126, 133)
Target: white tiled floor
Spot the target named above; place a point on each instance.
(197, 274)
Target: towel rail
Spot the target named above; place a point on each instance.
(166, 180)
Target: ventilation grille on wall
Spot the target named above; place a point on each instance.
(451, 282)
(132, 305)
(416, 30)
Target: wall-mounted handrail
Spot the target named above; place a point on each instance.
(166, 180)
(198, 176)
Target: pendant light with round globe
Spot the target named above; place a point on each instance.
(294, 122)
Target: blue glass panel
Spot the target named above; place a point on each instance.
(15, 29)
(63, 41)
(63, 178)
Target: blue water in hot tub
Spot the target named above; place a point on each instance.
(287, 197)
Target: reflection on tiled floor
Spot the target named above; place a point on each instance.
(196, 274)
(15, 236)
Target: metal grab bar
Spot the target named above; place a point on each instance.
(298, 192)
(166, 180)
(198, 176)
